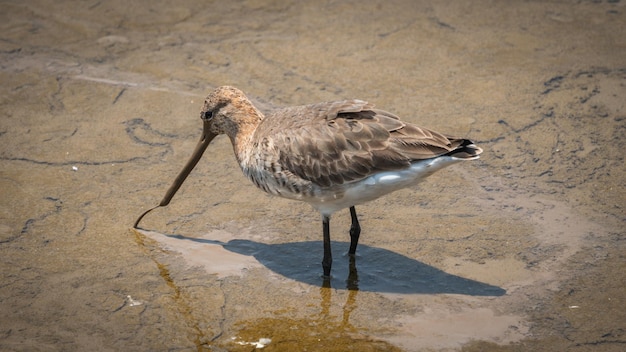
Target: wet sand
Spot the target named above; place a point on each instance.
(522, 250)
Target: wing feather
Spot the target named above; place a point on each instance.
(344, 141)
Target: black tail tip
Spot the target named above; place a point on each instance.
(467, 150)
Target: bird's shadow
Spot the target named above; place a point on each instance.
(379, 270)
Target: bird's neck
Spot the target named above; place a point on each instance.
(242, 140)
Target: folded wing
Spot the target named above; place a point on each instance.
(340, 142)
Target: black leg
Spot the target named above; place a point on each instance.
(352, 283)
(355, 231)
(327, 262)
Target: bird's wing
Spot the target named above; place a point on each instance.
(339, 142)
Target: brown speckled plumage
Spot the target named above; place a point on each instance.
(322, 145)
(333, 155)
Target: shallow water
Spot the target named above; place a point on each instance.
(521, 250)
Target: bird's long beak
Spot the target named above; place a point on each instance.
(203, 143)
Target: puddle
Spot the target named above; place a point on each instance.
(379, 280)
(209, 254)
(374, 269)
(448, 306)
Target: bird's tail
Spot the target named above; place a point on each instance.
(466, 150)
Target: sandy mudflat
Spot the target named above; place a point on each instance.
(523, 250)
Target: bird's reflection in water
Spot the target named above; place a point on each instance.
(379, 270)
(352, 285)
(319, 331)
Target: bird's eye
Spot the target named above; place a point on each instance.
(207, 115)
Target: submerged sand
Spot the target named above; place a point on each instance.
(521, 250)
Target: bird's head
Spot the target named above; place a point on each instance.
(228, 111)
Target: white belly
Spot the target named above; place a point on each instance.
(331, 199)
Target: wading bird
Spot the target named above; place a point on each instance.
(332, 155)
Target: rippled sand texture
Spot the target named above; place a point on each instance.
(522, 250)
